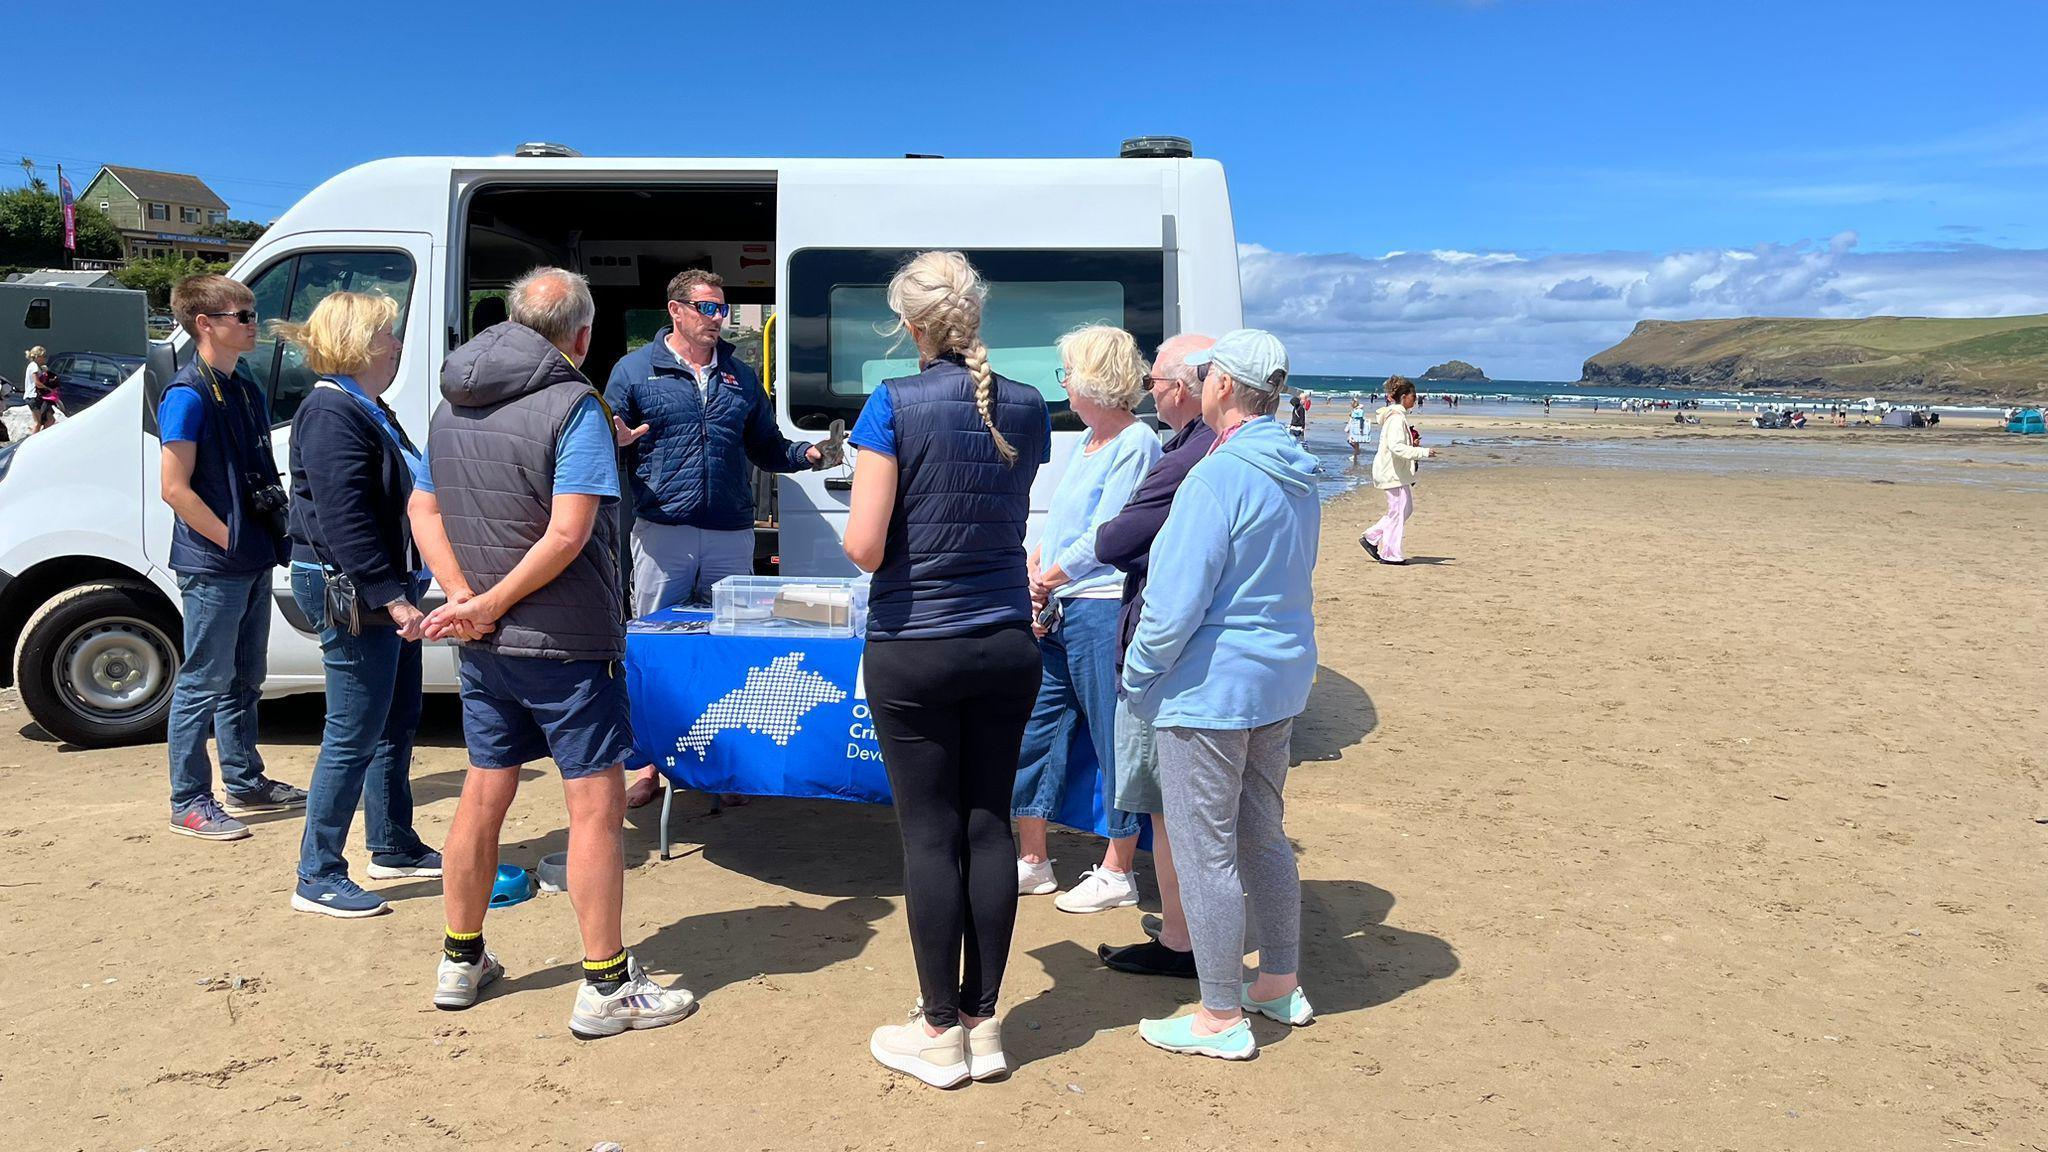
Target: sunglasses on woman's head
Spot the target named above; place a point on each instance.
(709, 309)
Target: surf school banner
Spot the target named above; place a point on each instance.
(771, 716)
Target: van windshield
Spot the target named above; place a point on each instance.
(840, 348)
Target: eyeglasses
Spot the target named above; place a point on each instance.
(709, 309)
(244, 316)
(1152, 382)
(1059, 375)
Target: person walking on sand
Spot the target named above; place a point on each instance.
(515, 509)
(941, 500)
(1393, 472)
(1221, 664)
(1357, 429)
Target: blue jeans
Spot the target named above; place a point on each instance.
(227, 648)
(1077, 685)
(373, 709)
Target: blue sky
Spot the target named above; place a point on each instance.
(1513, 182)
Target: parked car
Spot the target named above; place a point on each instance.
(84, 378)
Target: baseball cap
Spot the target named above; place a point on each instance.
(1253, 357)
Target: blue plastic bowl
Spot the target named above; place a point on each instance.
(513, 886)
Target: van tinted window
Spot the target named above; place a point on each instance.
(839, 312)
(291, 288)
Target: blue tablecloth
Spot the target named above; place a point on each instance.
(777, 716)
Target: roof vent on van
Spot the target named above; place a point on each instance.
(1157, 148)
(544, 148)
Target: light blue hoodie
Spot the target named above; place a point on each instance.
(1227, 638)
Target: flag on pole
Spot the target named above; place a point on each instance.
(70, 211)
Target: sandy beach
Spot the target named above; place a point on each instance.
(1646, 809)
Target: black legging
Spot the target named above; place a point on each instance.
(949, 715)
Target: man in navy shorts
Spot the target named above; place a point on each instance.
(516, 512)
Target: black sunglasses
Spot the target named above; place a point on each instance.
(245, 315)
(709, 309)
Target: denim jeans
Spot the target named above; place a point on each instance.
(227, 648)
(1077, 684)
(373, 709)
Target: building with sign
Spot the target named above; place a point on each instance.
(161, 213)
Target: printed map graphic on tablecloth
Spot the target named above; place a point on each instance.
(773, 702)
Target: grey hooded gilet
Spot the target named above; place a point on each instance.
(507, 395)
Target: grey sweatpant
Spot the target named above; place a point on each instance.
(678, 564)
(1223, 817)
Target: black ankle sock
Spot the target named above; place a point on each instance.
(606, 974)
(463, 947)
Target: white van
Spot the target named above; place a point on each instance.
(1144, 241)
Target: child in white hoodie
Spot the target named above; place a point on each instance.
(1393, 472)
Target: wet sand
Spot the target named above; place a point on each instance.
(1713, 826)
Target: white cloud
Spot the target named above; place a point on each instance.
(1538, 317)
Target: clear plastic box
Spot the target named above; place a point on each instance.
(824, 606)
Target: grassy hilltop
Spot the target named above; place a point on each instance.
(1985, 360)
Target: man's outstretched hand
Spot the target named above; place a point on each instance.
(626, 437)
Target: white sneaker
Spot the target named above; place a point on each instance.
(637, 1003)
(1035, 879)
(1099, 891)
(456, 986)
(940, 1061)
(985, 1059)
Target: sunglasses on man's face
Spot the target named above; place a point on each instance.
(1153, 383)
(709, 309)
(244, 316)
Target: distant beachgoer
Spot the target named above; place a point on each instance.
(1297, 421)
(1393, 472)
(39, 388)
(1357, 428)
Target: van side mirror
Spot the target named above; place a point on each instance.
(161, 363)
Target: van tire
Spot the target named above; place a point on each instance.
(96, 663)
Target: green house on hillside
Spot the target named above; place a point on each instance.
(161, 213)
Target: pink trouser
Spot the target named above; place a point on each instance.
(1386, 535)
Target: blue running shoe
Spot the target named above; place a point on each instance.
(337, 896)
(399, 865)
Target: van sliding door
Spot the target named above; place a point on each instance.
(1060, 245)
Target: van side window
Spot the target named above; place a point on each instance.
(291, 288)
(838, 312)
(38, 315)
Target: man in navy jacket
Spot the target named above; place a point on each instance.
(705, 421)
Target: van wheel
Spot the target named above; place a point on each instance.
(95, 664)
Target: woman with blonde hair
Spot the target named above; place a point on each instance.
(1079, 596)
(358, 579)
(941, 497)
(39, 389)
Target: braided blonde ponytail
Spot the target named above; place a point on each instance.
(985, 399)
(940, 294)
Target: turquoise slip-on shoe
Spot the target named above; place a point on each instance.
(1178, 1035)
(1292, 1008)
